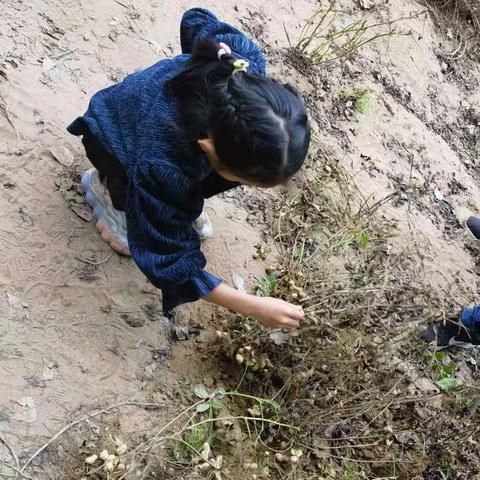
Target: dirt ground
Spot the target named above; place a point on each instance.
(80, 328)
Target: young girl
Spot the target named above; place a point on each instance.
(183, 130)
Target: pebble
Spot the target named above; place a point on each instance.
(438, 195)
(134, 321)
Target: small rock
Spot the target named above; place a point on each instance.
(62, 155)
(366, 4)
(183, 333)
(134, 321)
(439, 196)
(348, 114)
(49, 371)
(28, 413)
(11, 299)
(4, 416)
(407, 439)
(444, 67)
(239, 283)
(47, 64)
(471, 129)
(471, 361)
(37, 382)
(25, 215)
(423, 385)
(155, 314)
(82, 211)
(279, 338)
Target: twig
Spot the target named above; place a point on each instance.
(64, 54)
(287, 35)
(122, 4)
(83, 419)
(243, 377)
(248, 419)
(12, 452)
(4, 109)
(89, 262)
(5, 55)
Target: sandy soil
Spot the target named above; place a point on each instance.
(80, 327)
(66, 325)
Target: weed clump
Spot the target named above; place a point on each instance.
(345, 378)
(330, 34)
(460, 19)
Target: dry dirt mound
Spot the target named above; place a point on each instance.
(368, 239)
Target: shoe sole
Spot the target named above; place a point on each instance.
(206, 230)
(107, 224)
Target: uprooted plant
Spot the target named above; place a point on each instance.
(343, 378)
(195, 438)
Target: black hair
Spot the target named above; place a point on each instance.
(259, 127)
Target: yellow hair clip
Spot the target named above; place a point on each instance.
(240, 66)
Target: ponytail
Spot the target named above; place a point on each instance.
(259, 126)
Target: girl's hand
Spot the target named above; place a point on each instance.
(275, 313)
(270, 312)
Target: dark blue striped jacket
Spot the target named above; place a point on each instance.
(135, 120)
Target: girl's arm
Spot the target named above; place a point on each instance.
(160, 209)
(271, 312)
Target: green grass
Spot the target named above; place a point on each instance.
(267, 285)
(361, 98)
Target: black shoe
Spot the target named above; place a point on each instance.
(473, 224)
(450, 334)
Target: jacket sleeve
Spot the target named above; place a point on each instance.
(160, 209)
(199, 23)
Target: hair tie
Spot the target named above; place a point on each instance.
(240, 66)
(224, 50)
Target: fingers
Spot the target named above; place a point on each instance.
(296, 312)
(287, 322)
(291, 316)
